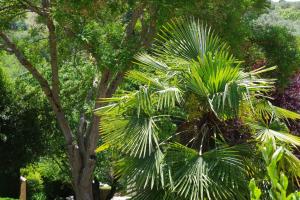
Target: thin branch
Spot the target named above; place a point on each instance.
(54, 57)
(52, 39)
(37, 40)
(28, 65)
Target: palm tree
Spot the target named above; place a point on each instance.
(193, 124)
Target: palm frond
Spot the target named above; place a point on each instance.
(135, 136)
(262, 69)
(284, 113)
(292, 163)
(146, 60)
(215, 80)
(265, 134)
(144, 101)
(266, 110)
(197, 176)
(253, 82)
(187, 40)
(117, 105)
(144, 79)
(168, 97)
(155, 194)
(144, 172)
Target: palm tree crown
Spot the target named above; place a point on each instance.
(194, 121)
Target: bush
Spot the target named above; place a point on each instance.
(34, 180)
(47, 179)
(280, 48)
(275, 39)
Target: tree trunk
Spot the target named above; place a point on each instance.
(82, 168)
(83, 192)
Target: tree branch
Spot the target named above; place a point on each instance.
(10, 7)
(93, 133)
(53, 58)
(115, 83)
(44, 85)
(136, 14)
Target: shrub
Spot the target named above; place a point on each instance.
(34, 180)
(47, 179)
(280, 48)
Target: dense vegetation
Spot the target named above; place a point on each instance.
(189, 98)
(186, 131)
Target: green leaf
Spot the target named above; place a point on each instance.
(101, 148)
(265, 134)
(255, 192)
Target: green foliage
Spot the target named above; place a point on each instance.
(281, 17)
(227, 18)
(273, 39)
(34, 179)
(92, 38)
(290, 14)
(21, 135)
(255, 192)
(46, 179)
(10, 65)
(278, 180)
(191, 82)
(280, 48)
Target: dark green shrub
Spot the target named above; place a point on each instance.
(280, 48)
(21, 138)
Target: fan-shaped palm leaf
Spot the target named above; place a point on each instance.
(143, 173)
(187, 41)
(136, 136)
(198, 176)
(265, 134)
(266, 110)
